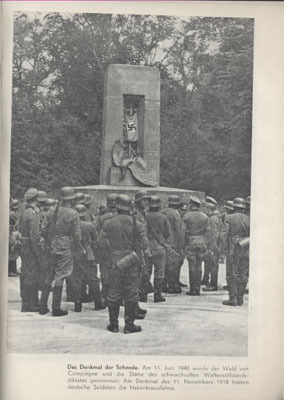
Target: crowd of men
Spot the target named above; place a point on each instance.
(109, 258)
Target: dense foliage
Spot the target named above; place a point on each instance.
(206, 67)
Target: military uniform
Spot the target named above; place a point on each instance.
(212, 261)
(31, 254)
(13, 243)
(159, 232)
(235, 228)
(117, 234)
(172, 268)
(195, 246)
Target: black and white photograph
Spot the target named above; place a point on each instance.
(130, 184)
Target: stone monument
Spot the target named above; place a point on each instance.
(130, 153)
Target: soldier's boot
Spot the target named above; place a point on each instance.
(240, 293)
(56, 302)
(77, 296)
(70, 289)
(213, 286)
(158, 298)
(192, 284)
(34, 302)
(232, 294)
(165, 287)
(205, 279)
(129, 318)
(78, 306)
(98, 298)
(25, 298)
(138, 315)
(141, 310)
(198, 282)
(43, 309)
(113, 310)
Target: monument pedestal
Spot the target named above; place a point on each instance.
(99, 193)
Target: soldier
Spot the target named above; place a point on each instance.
(196, 223)
(182, 210)
(63, 234)
(89, 217)
(31, 251)
(236, 228)
(85, 267)
(79, 198)
(145, 287)
(159, 232)
(13, 238)
(177, 243)
(103, 257)
(229, 209)
(117, 234)
(41, 202)
(213, 242)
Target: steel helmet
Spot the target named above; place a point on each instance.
(31, 194)
(140, 195)
(239, 203)
(50, 202)
(81, 209)
(174, 200)
(15, 204)
(67, 193)
(123, 202)
(111, 199)
(88, 199)
(79, 198)
(41, 196)
(154, 202)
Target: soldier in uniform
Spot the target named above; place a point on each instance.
(117, 234)
(229, 209)
(85, 267)
(41, 202)
(13, 238)
(89, 217)
(63, 233)
(139, 211)
(213, 244)
(182, 210)
(31, 251)
(172, 268)
(79, 198)
(236, 228)
(103, 257)
(159, 233)
(196, 223)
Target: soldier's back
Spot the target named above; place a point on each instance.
(157, 220)
(195, 223)
(119, 231)
(239, 224)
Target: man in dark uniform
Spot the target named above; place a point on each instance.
(213, 234)
(85, 267)
(159, 233)
(118, 235)
(139, 211)
(62, 229)
(13, 238)
(103, 256)
(172, 268)
(196, 223)
(31, 251)
(229, 209)
(235, 229)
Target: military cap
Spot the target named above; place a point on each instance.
(174, 199)
(111, 198)
(123, 202)
(81, 209)
(41, 196)
(210, 201)
(229, 205)
(195, 200)
(239, 203)
(67, 193)
(50, 202)
(154, 202)
(79, 198)
(31, 194)
(140, 195)
(15, 204)
(88, 199)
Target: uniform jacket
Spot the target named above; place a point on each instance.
(29, 227)
(196, 223)
(236, 224)
(158, 225)
(88, 237)
(175, 220)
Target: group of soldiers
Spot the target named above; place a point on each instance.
(125, 243)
